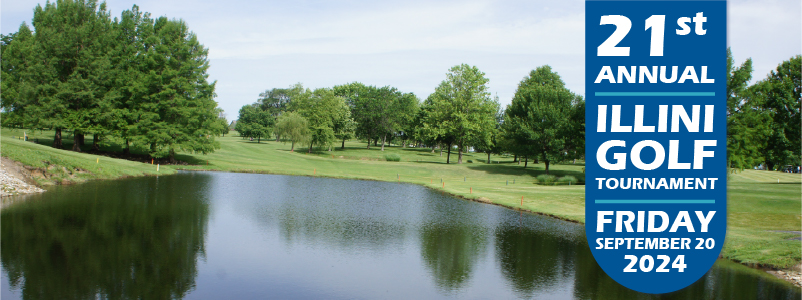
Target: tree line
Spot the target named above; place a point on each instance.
(763, 120)
(132, 80)
(544, 122)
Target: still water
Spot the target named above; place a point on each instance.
(208, 235)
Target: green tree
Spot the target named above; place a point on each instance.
(323, 109)
(176, 106)
(276, 101)
(293, 126)
(378, 112)
(19, 83)
(461, 111)
(64, 86)
(254, 122)
(747, 124)
(121, 114)
(495, 144)
(540, 120)
(781, 92)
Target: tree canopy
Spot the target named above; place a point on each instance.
(460, 111)
(135, 78)
(543, 119)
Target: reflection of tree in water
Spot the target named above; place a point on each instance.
(453, 237)
(532, 260)
(726, 280)
(137, 238)
(451, 252)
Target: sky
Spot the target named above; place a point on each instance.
(258, 45)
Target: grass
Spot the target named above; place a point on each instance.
(61, 166)
(759, 208)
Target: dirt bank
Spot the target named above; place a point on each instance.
(15, 179)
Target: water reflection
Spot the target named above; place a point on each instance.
(135, 240)
(532, 260)
(222, 235)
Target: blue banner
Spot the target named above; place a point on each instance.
(656, 173)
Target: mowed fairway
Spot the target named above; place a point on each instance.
(763, 216)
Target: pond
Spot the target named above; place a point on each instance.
(212, 235)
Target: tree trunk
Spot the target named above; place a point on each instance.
(57, 139)
(76, 142)
(292, 147)
(488, 157)
(127, 149)
(535, 160)
(368, 144)
(441, 149)
(448, 158)
(547, 166)
(384, 139)
(459, 154)
(433, 147)
(310, 147)
(526, 161)
(343, 146)
(258, 139)
(95, 142)
(172, 156)
(515, 158)
(376, 142)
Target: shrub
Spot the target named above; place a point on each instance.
(470, 161)
(545, 179)
(392, 157)
(567, 179)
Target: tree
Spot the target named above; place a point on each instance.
(254, 122)
(323, 109)
(747, 124)
(176, 103)
(461, 110)
(60, 74)
(378, 112)
(781, 92)
(294, 127)
(541, 118)
(18, 83)
(276, 101)
(221, 126)
(495, 144)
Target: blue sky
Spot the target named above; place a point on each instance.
(258, 45)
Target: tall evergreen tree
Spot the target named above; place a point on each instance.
(19, 81)
(176, 105)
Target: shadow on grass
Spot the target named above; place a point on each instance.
(516, 170)
(431, 162)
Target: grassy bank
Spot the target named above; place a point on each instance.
(53, 166)
(760, 211)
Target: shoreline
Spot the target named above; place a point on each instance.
(791, 275)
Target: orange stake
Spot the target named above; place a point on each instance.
(315, 171)
(444, 184)
(522, 200)
(471, 190)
